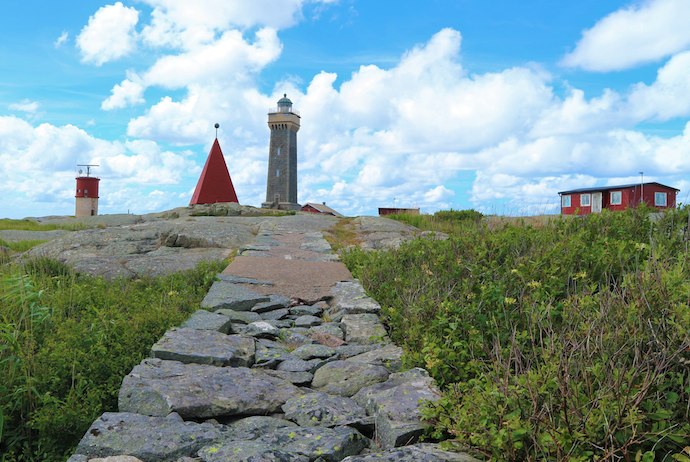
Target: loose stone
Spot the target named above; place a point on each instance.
(205, 320)
(195, 391)
(148, 438)
(205, 347)
(345, 378)
(321, 409)
(231, 296)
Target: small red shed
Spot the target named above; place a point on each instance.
(584, 201)
(322, 209)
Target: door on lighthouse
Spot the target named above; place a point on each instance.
(596, 202)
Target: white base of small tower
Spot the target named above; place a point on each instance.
(86, 207)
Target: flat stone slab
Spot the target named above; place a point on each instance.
(275, 302)
(205, 347)
(306, 443)
(311, 351)
(424, 452)
(321, 409)
(262, 329)
(302, 379)
(231, 296)
(389, 356)
(205, 320)
(395, 404)
(240, 317)
(248, 451)
(308, 321)
(156, 387)
(240, 280)
(349, 297)
(363, 328)
(147, 438)
(345, 378)
(308, 280)
(253, 427)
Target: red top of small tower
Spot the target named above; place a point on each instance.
(87, 186)
(214, 183)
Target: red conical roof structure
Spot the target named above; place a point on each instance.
(214, 183)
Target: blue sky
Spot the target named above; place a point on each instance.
(494, 105)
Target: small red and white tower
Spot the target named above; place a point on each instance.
(87, 192)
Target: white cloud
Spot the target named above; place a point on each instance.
(186, 25)
(61, 40)
(668, 96)
(129, 92)
(638, 34)
(39, 164)
(25, 105)
(109, 34)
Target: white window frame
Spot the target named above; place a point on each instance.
(586, 203)
(658, 202)
(565, 201)
(619, 195)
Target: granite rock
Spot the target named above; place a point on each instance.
(345, 378)
(205, 347)
(156, 387)
(148, 438)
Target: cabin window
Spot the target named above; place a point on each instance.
(565, 201)
(585, 200)
(616, 198)
(660, 199)
(86, 192)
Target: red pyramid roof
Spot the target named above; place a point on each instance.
(214, 183)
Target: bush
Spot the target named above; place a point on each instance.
(570, 341)
(67, 341)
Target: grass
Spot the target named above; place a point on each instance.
(32, 225)
(66, 342)
(21, 246)
(342, 235)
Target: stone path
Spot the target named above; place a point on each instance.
(288, 361)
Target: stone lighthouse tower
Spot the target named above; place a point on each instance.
(281, 184)
(87, 193)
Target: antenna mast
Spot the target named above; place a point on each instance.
(88, 168)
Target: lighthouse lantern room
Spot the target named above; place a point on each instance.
(87, 192)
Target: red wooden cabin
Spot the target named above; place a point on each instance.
(584, 201)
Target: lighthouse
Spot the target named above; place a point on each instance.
(87, 193)
(281, 184)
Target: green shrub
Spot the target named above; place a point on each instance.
(568, 341)
(67, 342)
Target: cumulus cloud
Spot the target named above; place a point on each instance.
(61, 40)
(186, 25)
(416, 133)
(668, 96)
(109, 34)
(47, 155)
(129, 92)
(638, 34)
(24, 105)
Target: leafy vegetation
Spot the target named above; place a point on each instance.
(66, 342)
(566, 341)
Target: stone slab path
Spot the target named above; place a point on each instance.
(288, 361)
